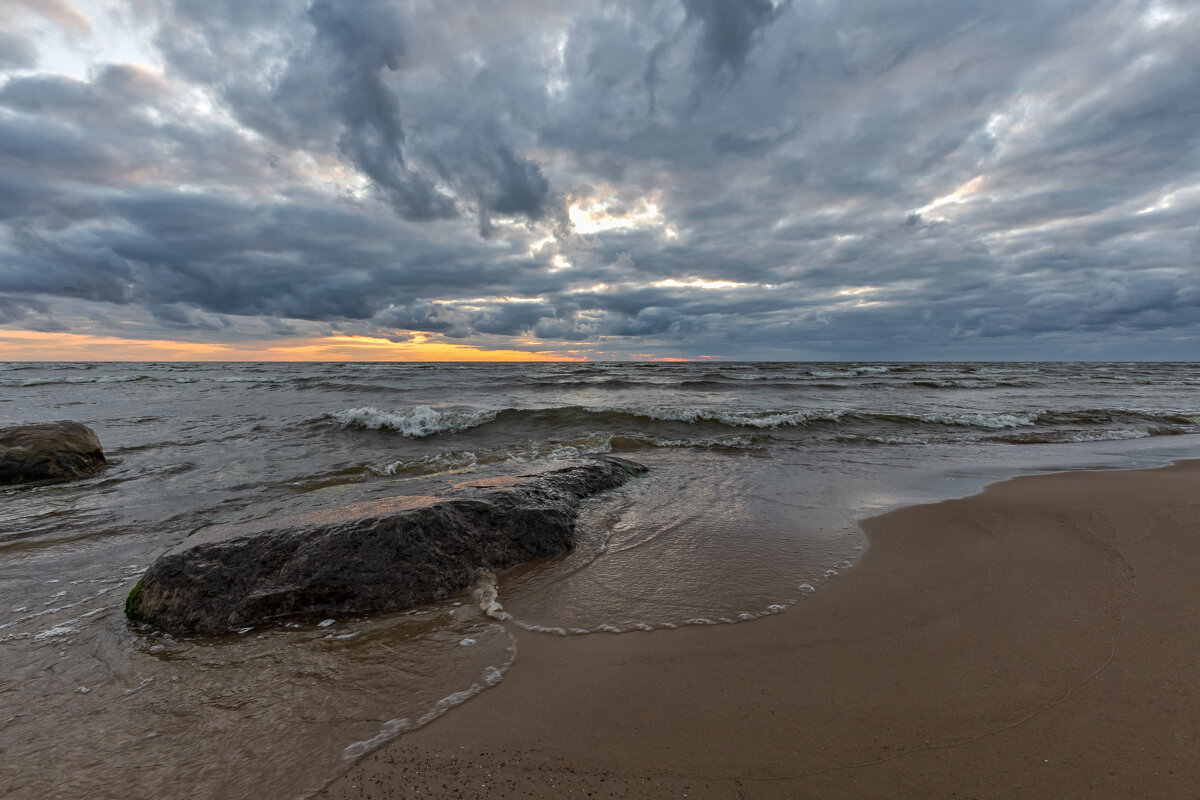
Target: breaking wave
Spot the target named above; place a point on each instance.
(413, 422)
(621, 427)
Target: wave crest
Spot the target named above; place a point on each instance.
(414, 422)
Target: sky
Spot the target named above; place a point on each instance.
(631, 180)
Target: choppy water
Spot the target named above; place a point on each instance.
(759, 472)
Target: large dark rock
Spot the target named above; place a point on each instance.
(49, 451)
(380, 555)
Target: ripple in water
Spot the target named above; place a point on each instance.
(758, 473)
(123, 713)
(722, 550)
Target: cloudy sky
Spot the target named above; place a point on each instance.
(747, 179)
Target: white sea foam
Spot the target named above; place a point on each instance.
(391, 729)
(489, 677)
(744, 616)
(546, 629)
(412, 422)
(571, 451)
(442, 462)
(486, 595)
(28, 617)
(715, 441)
(982, 420)
(55, 632)
(449, 702)
(893, 440)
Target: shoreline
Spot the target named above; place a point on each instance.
(1037, 639)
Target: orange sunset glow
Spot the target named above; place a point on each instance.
(41, 346)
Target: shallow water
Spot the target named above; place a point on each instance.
(758, 472)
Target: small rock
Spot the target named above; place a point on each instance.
(49, 451)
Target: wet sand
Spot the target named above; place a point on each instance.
(1038, 640)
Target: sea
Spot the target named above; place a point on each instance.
(759, 474)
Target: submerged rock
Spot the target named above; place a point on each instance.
(49, 451)
(380, 555)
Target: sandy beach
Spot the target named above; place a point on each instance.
(1037, 640)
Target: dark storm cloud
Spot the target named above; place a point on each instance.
(359, 41)
(793, 179)
(333, 86)
(730, 28)
(520, 187)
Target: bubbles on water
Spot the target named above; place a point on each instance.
(390, 730)
(486, 595)
(145, 682)
(57, 630)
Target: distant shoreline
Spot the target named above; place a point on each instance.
(1036, 640)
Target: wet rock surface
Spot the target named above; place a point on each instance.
(380, 555)
(49, 451)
